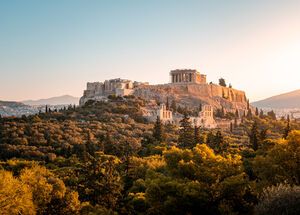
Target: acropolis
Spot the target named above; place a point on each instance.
(180, 76)
(188, 87)
(124, 87)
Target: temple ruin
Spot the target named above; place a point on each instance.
(183, 76)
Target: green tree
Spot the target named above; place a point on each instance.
(197, 136)
(186, 133)
(237, 115)
(218, 141)
(256, 112)
(287, 129)
(45, 187)
(261, 114)
(249, 114)
(222, 82)
(200, 107)
(253, 136)
(168, 104)
(272, 115)
(278, 200)
(15, 196)
(281, 162)
(158, 130)
(196, 180)
(102, 181)
(173, 105)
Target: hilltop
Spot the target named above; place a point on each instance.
(59, 100)
(10, 108)
(191, 95)
(188, 88)
(286, 100)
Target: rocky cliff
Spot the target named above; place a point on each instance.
(192, 95)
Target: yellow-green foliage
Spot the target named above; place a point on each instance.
(15, 196)
(281, 162)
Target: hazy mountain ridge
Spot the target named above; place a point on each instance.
(59, 100)
(10, 108)
(285, 100)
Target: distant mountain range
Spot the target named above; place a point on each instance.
(16, 109)
(11, 108)
(282, 101)
(60, 100)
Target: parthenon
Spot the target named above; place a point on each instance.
(180, 76)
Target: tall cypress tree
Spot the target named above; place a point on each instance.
(173, 105)
(237, 115)
(157, 130)
(248, 104)
(197, 136)
(218, 141)
(261, 114)
(168, 104)
(249, 114)
(253, 136)
(256, 112)
(200, 107)
(235, 123)
(186, 133)
(223, 112)
(287, 129)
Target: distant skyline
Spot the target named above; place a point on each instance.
(52, 48)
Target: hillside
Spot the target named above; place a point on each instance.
(103, 158)
(193, 94)
(59, 100)
(8, 108)
(286, 100)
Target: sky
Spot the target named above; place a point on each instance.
(53, 47)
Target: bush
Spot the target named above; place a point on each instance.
(280, 199)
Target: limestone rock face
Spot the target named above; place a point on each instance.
(192, 95)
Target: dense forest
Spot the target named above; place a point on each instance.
(105, 158)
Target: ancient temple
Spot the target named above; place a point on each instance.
(183, 76)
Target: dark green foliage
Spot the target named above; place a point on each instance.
(287, 129)
(272, 115)
(249, 114)
(253, 136)
(197, 136)
(278, 200)
(173, 105)
(168, 104)
(261, 114)
(237, 115)
(256, 112)
(222, 82)
(105, 158)
(186, 133)
(158, 130)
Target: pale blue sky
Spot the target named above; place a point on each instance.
(53, 47)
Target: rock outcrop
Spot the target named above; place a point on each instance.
(191, 95)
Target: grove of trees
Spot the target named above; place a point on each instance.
(105, 158)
